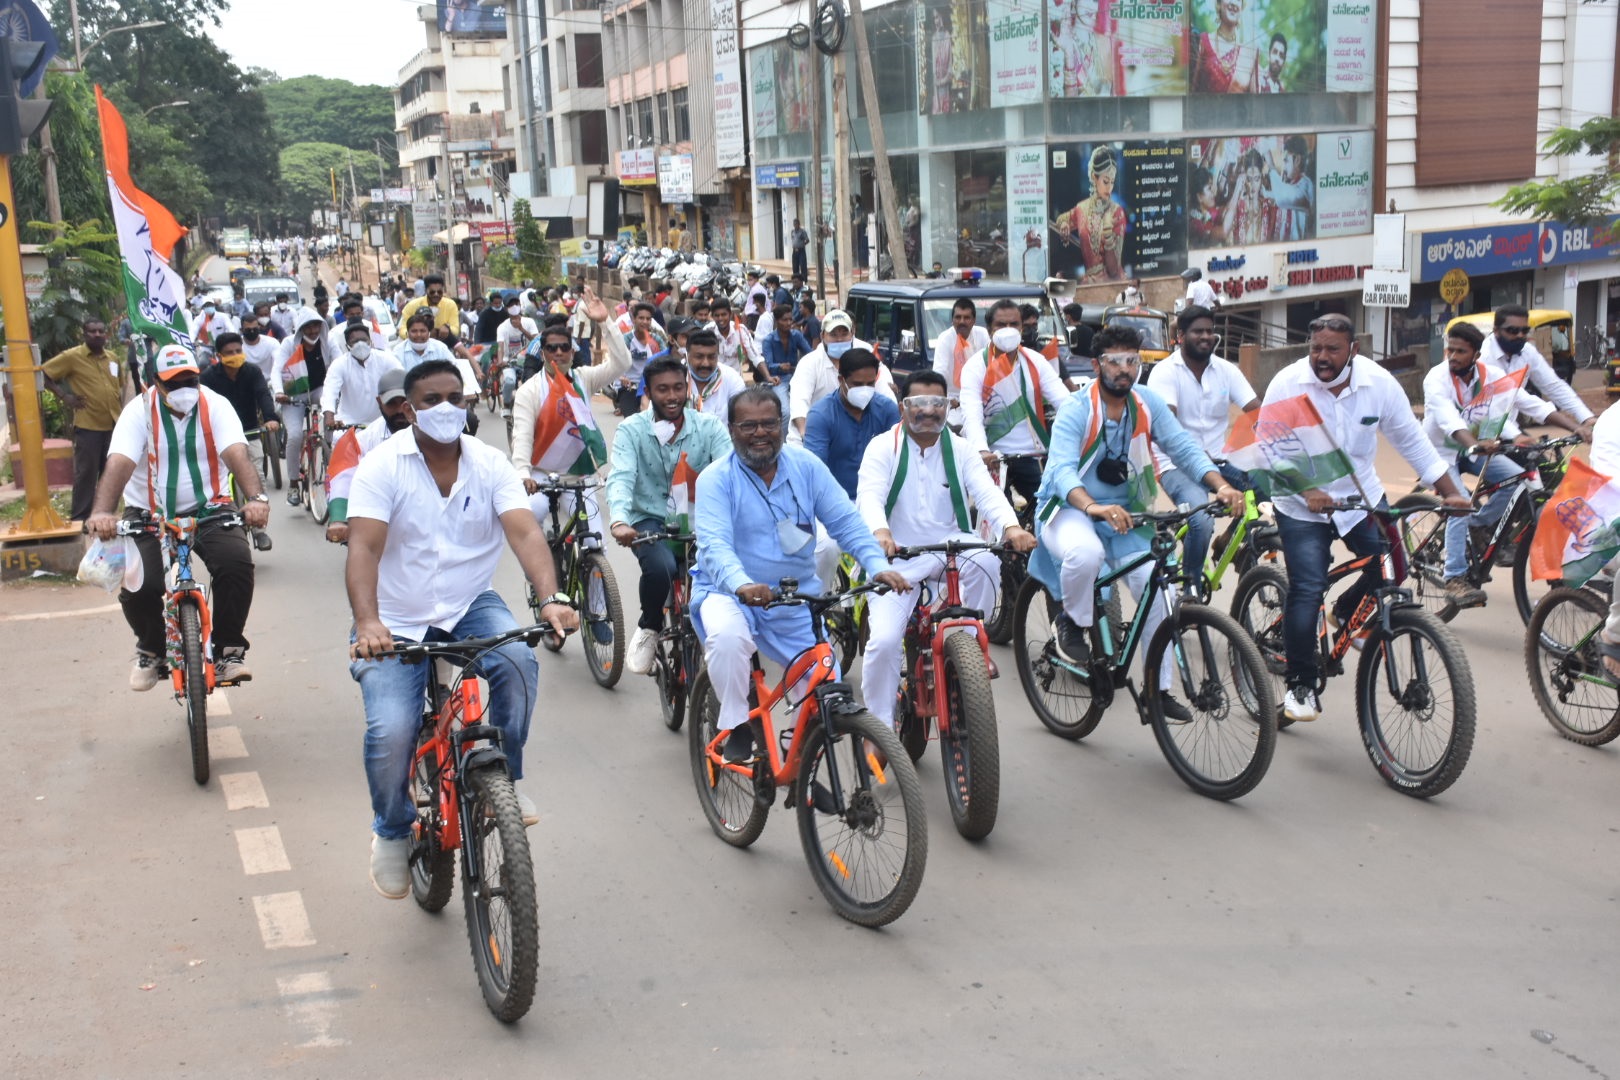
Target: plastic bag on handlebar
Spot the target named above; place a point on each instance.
(112, 564)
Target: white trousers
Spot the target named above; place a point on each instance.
(827, 555)
(1072, 539)
(889, 612)
(540, 505)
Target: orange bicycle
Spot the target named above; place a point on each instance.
(465, 801)
(847, 778)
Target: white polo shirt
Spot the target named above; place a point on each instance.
(442, 550)
(350, 389)
(1201, 406)
(174, 484)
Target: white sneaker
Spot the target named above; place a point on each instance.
(527, 810)
(391, 867)
(643, 646)
(147, 672)
(1301, 704)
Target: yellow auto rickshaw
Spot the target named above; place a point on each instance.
(1551, 332)
(1151, 323)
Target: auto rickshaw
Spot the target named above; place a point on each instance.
(1151, 323)
(1543, 324)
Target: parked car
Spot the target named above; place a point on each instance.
(902, 319)
(255, 289)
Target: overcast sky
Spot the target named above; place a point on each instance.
(368, 43)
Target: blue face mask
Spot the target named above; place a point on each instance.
(706, 379)
(836, 349)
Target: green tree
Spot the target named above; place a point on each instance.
(311, 108)
(85, 280)
(1580, 200)
(81, 176)
(306, 178)
(533, 254)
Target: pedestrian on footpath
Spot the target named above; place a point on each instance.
(85, 378)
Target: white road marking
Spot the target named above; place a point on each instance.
(261, 850)
(243, 791)
(283, 922)
(225, 743)
(310, 1003)
(36, 616)
(218, 703)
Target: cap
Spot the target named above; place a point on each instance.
(681, 325)
(391, 387)
(172, 359)
(837, 319)
(1192, 273)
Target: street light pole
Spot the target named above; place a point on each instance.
(165, 105)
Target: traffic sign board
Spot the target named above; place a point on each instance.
(1386, 288)
(1454, 286)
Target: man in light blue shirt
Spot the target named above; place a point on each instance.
(756, 514)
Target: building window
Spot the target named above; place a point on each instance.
(588, 61)
(663, 119)
(593, 138)
(644, 123)
(683, 117)
(562, 64)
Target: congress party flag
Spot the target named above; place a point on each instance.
(340, 474)
(1286, 449)
(1487, 413)
(147, 234)
(1577, 532)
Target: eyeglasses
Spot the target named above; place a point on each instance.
(754, 427)
(1331, 322)
(1513, 331)
(557, 347)
(924, 401)
(1121, 359)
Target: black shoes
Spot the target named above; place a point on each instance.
(1070, 641)
(739, 749)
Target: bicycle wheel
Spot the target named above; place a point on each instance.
(669, 671)
(195, 683)
(1257, 606)
(562, 556)
(601, 630)
(1576, 693)
(500, 904)
(1527, 591)
(727, 796)
(868, 857)
(1002, 623)
(433, 868)
(1225, 749)
(1424, 537)
(317, 484)
(1415, 703)
(968, 749)
(273, 451)
(1062, 699)
(911, 729)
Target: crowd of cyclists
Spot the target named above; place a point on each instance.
(797, 462)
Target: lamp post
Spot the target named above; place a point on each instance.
(78, 53)
(165, 105)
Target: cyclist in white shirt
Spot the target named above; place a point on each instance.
(817, 374)
(514, 335)
(712, 383)
(1200, 389)
(258, 346)
(1510, 349)
(420, 345)
(1010, 397)
(429, 512)
(738, 349)
(954, 346)
(349, 396)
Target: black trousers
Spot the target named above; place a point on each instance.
(801, 263)
(1024, 474)
(225, 551)
(658, 569)
(89, 462)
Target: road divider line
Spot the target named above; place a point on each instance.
(261, 850)
(38, 615)
(311, 1004)
(225, 743)
(283, 922)
(243, 791)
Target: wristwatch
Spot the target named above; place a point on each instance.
(558, 598)
(260, 497)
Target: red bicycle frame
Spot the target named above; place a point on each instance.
(815, 666)
(464, 706)
(928, 694)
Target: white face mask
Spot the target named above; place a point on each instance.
(310, 339)
(443, 423)
(861, 396)
(1007, 339)
(514, 312)
(664, 430)
(360, 350)
(184, 399)
(419, 346)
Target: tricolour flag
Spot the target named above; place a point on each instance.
(1487, 413)
(1285, 448)
(147, 234)
(340, 474)
(566, 439)
(1012, 396)
(682, 494)
(1579, 528)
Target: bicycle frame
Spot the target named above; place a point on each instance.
(175, 541)
(1376, 604)
(1214, 572)
(931, 620)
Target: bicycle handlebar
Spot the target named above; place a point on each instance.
(467, 648)
(1526, 453)
(947, 547)
(1178, 515)
(787, 594)
(553, 482)
(152, 524)
(663, 534)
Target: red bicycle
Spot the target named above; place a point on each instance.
(946, 693)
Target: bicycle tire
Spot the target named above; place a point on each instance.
(599, 613)
(318, 506)
(911, 729)
(726, 797)
(1565, 660)
(562, 557)
(1423, 689)
(969, 751)
(1074, 711)
(1257, 607)
(194, 677)
(872, 806)
(1246, 746)
(1528, 592)
(1002, 624)
(668, 673)
(1426, 555)
(433, 868)
(505, 975)
(272, 456)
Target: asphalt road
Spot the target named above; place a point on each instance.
(1115, 924)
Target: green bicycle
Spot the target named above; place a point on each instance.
(847, 624)
(584, 574)
(1563, 656)
(1249, 539)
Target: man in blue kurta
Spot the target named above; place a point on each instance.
(1098, 473)
(755, 519)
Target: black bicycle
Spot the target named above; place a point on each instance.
(678, 654)
(1000, 624)
(584, 574)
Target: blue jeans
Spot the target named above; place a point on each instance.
(658, 569)
(1306, 554)
(1185, 489)
(395, 694)
(1498, 470)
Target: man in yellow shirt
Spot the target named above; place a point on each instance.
(441, 307)
(86, 379)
